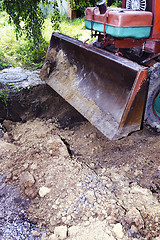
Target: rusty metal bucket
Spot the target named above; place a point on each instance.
(108, 90)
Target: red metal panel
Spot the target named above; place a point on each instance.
(123, 3)
(129, 18)
(156, 16)
(117, 18)
(153, 45)
(156, 22)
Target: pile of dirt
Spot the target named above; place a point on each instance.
(80, 185)
(69, 199)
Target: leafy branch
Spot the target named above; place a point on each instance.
(28, 17)
(83, 4)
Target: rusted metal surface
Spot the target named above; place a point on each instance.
(108, 90)
(122, 43)
(153, 45)
(156, 19)
(148, 60)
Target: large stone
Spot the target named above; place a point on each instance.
(52, 237)
(44, 236)
(117, 229)
(36, 234)
(90, 196)
(56, 147)
(43, 191)
(133, 216)
(5, 147)
(61, 232)
(96, 230)
(73, 231)
(27, 180)
(31, 192)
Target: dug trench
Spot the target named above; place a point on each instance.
(77, 184)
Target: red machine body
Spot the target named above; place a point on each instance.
(128, 18)
(107, 80)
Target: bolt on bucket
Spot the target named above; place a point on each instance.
(107, 90)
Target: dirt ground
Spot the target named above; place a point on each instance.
(81, 186)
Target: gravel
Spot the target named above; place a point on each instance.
(13, 223)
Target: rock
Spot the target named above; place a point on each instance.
(8, 125)
(2, 214)
(5, 147)
(43, 191)
(33, 166)
(52, 237)
(2, 131)
(72, 231)
(25, 166)
(117, 229)
(53, 220)
(27, 180)
(44, 236)
(3, 177)
(36, 234)
(90, 196)
(31, 192)
(61, 232)
(86, 223)
(132, 231)
(133, 216)
(56, 147)
(92, 165)
(96, 230)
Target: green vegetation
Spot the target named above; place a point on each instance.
(28, 18)
(23, 52)
(7, 42)
(117, 3)
(81, 5)
(26, 51)
(4, 98)
(75, 29)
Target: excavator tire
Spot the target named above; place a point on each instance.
(152, 112)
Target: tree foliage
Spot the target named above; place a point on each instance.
(117, 3)
(28, 17)
(83, 4)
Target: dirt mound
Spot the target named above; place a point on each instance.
(65, 192)
(80, 185)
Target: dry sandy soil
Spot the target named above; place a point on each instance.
(81, 186)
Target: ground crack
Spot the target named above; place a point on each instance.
(69, 149)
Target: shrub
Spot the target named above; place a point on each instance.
(32, 56)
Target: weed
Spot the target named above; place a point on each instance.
(4, 97)
(23, 52)
(32, 56)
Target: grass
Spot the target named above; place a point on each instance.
(8, 42)
(73, 28)
(22, 52)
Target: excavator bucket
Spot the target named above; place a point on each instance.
(108, 90)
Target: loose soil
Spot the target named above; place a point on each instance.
(76, 177)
